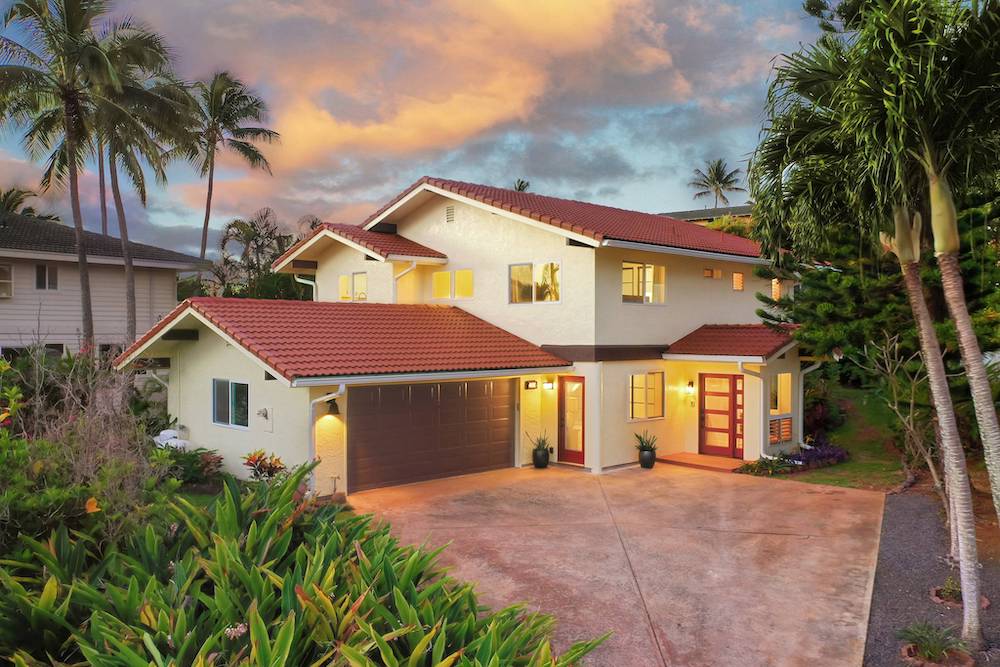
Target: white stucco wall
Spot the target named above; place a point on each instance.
(331, 442)
(337, 259)
(193, 365)
(691, 299)
(54, 316)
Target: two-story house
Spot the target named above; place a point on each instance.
(40, 285)
(459, 321)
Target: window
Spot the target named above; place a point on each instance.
(344, 288)
(46, 276)
(534, 283)
(737, 281)
(646, 396)
(715, 274)
(463, 284)
(359, 286)
(6, 281)
(230, 403)
(441, 285)
(775, 289)
(643, 283)
(781, 394)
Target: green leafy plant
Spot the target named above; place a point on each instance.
(540, 442)
(764, 467)
(931, 642)
(194, 466)
(951, 590)
(264, 576)
(645, 441)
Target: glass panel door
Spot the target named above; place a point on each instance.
(720, 415)
(571, 419)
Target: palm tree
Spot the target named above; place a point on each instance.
(50, 84)
(261, 241)
(225, 104)
(810, 172)
(12, 200)
(924, 95)
(716, 180)
(521, 185)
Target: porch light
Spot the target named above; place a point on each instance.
(690, 388)
(531, 384)
(332, 407)
(548, 384)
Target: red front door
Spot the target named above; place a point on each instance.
(571, 419)
(720, 415)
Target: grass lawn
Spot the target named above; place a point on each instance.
(866, 435)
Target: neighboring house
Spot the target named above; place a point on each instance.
(703, 216)
(40, 285)
(461, 320)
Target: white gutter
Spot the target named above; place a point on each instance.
(312, 431)
(305, 281)
(721, 358)
(666, 250)
(391, 378)
(802, 394)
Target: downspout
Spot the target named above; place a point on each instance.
(312, 430)
(396, 278)
(311, 283)
(802, 393)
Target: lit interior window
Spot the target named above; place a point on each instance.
(737, 281)
(643, 283)
(463, 284)
(775, 289)
(441, 284)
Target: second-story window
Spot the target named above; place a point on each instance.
(535, 283)
(775, 289)
(441, 285)
(353, 287)
(464, 288)
(46, 276)
(6, 281)
(643, 283)
(737, 281)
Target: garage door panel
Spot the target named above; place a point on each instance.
(406, 433)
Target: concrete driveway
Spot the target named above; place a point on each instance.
(686, 567)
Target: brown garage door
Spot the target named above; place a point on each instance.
(410, 432)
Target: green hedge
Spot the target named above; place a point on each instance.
(263, 576)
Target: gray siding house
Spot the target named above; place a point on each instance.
(40, 285)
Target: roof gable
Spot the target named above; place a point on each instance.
(597, 222)
(734, 340)
(380, 245)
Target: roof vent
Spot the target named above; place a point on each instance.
(449, 214)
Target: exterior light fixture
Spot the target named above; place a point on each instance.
(548, 384)
(332, 407)
(531, 384)
(690, 388)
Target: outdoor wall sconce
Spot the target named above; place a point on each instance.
(531, 384)
(690, 388)
(332, 407)
(549, 384)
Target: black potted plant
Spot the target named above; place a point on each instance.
(646, 444)
(539, 450)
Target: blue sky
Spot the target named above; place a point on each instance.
(613, 101)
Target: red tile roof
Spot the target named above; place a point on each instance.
(379, 242)
(593, 220)
(302, 339)
(738, 340)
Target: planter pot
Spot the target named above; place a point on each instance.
(984, 602)
(647, 458)
(955, 658)
(540, 458)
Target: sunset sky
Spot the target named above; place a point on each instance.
(612, 101)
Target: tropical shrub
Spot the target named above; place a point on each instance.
(763, 467)
(262, 577)
(196, 465)
(263, 466)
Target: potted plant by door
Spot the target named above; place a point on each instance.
(646, 444)
(539, 450)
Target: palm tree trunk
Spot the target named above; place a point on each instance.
(126, 252)
(952, 454)
(975, 369)
(208, 204)
(101, 187)
(86, 307)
